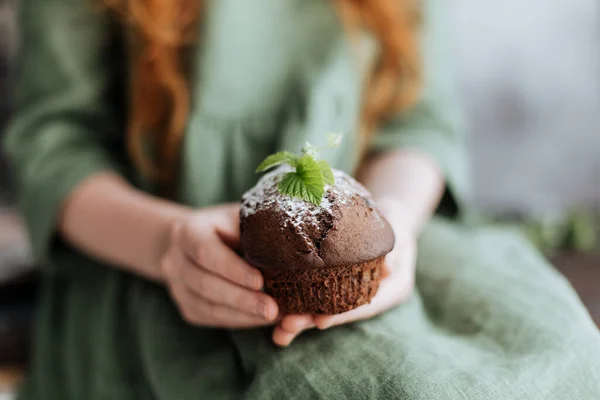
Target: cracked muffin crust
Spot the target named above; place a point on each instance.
(322, 259)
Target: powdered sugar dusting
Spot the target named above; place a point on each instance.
(299, 212)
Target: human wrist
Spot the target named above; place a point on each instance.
(168, 220)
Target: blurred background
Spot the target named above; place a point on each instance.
(528, 75)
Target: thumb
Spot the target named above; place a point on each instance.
(228, 224)
(387, 268)
(390, 263)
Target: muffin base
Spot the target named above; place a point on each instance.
(324, 291)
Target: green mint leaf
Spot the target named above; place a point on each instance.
(292, 185)
(326, 172)
(283, 157)
(310, 172)
(306, 183)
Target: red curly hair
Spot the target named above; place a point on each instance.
(159, 92)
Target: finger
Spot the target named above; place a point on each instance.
(297, 323)
(290, 327)
(393, 260)
(281, 337)
(391, 292)
(198, 311)
(387, 268)
(363, 312)
(227, 317)
(222, 292)
(216, 257)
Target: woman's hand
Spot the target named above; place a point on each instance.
(210, 283)
(396, 285)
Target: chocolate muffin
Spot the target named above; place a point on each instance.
(324, 259)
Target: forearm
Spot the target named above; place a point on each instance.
(408, 176)
(108, 219)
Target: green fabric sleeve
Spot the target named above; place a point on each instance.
(434, 125)
(65, 127)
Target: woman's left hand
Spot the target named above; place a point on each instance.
(396, 285)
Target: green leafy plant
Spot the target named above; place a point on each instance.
(310, 176)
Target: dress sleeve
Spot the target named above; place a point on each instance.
(65, 127)
(434, 125)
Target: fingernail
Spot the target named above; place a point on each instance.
(261, 309)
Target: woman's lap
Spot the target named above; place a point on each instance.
(489, 320)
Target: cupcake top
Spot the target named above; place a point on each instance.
(283, 232)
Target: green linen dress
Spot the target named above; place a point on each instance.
(490, 319)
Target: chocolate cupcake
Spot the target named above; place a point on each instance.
(318, 259)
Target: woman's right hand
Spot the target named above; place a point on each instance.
(210, 283)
